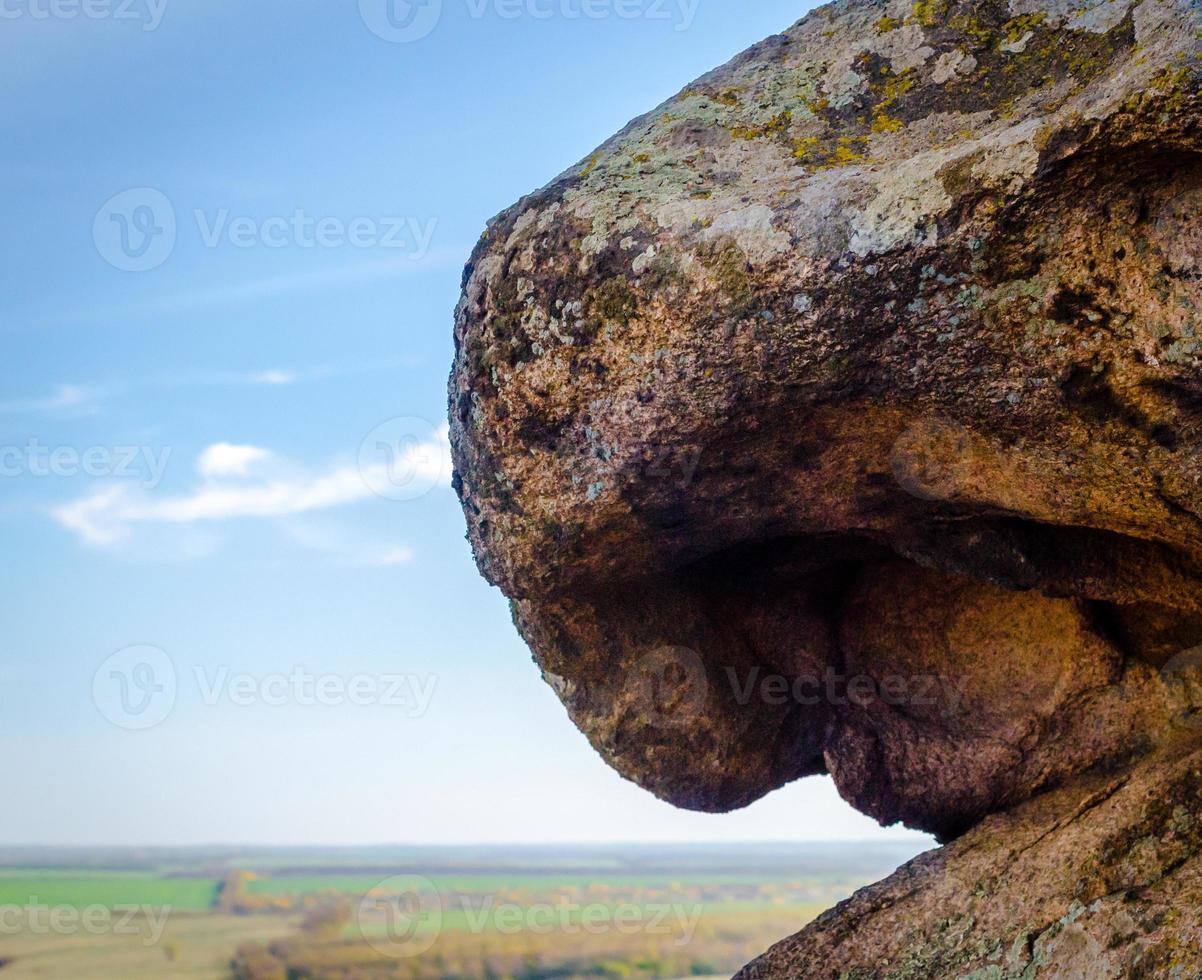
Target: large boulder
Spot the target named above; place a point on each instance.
(844, 414)
(873, 354)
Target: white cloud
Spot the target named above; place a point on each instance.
(347, 547)
(224, 459)
(274, 378)
(285, 376)
(64, 399)
(390, 557)
(252, 483)
(107, 516)
(88, 517)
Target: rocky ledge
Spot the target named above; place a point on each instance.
(1094, 881)
(844, 415)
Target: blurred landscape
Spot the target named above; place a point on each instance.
(525, 913)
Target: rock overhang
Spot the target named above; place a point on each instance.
(894, 312)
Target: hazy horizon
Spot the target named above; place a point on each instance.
(899, 841)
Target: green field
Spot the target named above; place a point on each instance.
(196, 947)
(80, 890)
(520, 914)
(360, 884)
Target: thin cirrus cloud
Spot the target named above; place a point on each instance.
(89, 399)
(283, 376)
(274, 378)
(64, 398)
(285, 284)
(250, 483)
(344, 546)
(77, 400)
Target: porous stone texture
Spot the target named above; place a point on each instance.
(844, 414)
(1098, 880)
(1034, 693)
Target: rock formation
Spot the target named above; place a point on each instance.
(1095, 881)
(844, 415)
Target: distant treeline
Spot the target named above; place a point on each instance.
(870, 860)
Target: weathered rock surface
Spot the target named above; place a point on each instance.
(1094, 881)
(844, 414)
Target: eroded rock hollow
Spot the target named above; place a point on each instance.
(844, 414)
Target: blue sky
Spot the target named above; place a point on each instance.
(192, 474)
